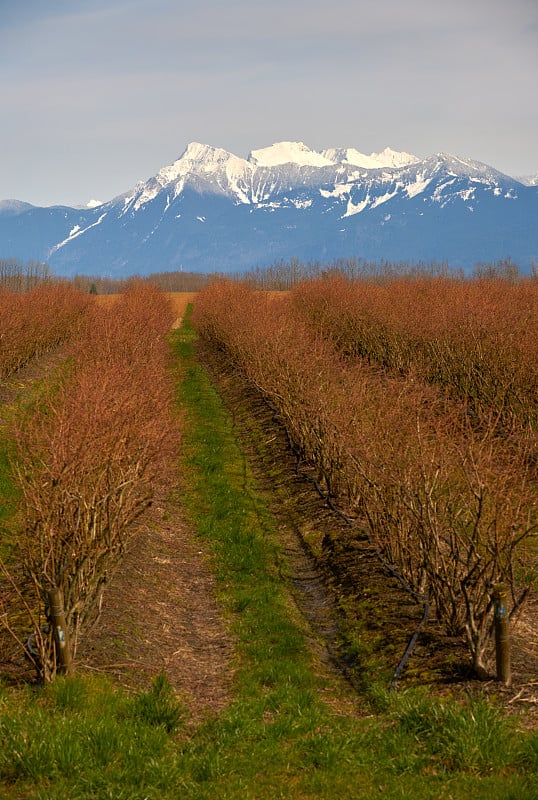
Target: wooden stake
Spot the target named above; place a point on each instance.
(61, 636)
(502, 634)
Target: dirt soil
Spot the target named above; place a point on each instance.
(160, 613)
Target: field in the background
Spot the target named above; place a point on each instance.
(180, 301)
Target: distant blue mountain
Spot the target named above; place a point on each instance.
(211, 211)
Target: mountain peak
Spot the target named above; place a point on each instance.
(288, 153)
(14, 206)
(196, 151)
(387, 158)
(467, 167)
(394, 158)
(197, 157)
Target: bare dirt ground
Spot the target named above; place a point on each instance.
(19, 384)
(160, 614)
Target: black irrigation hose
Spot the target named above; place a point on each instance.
(410, 646)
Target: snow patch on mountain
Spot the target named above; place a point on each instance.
(418, 186)
(339, 190)
(383, 198)
(288, 153)
(148, 193)
(439, 195)
(356, 208)
(75, 232)
(386, 158)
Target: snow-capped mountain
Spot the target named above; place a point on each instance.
(212, 211)
(388, 158)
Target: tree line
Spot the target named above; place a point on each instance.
(21, 277)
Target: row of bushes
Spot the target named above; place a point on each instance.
(449, 504)
(88, 452)
(37, 321)
(476, 339)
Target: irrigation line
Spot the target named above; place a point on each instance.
(410, 646)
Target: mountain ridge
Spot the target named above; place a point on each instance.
(211, 210)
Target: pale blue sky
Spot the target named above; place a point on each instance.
(98, 94)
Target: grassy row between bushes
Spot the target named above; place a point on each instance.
(85, 738)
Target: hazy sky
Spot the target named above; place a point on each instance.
(96, 95)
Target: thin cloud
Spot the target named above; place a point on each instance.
(101, 94)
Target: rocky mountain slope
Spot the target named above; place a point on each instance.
(213, 211)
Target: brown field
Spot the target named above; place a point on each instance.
(180, 301)
(107, 299)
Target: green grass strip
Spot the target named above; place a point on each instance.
(84, 738)
(8, 490)
(231, 517)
